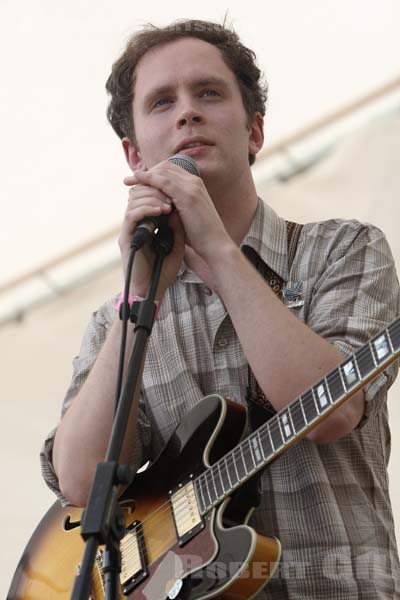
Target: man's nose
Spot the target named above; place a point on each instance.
(189, 116)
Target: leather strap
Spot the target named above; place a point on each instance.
(260, 409)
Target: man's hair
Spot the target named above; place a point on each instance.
(240, 60)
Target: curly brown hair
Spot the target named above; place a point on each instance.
(241, 61)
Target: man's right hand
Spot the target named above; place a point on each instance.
(145, 201)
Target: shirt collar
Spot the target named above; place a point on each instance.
(267, 236)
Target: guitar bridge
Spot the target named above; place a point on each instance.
(187, 518)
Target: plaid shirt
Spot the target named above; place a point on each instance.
(329, 503)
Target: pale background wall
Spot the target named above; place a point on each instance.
(63, 173)
(62, 164)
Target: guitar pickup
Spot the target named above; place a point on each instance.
(187, 518)
(133, 558)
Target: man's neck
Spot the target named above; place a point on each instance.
(236, 208)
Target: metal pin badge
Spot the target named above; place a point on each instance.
(293, 297)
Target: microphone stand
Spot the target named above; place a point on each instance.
(103, 520)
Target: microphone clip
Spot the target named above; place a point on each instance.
(164, 239)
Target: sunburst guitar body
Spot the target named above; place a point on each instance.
(181, 539)
(186, 533)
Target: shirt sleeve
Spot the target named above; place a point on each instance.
(92, 342)
(356, 297)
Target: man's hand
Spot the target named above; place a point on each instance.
(204, 230)
(147, 201)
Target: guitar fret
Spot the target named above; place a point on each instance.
(248, 457)
(270, 438)
(286, 426)
(240, 466)
(235, 466)
(219, 486)
(213, 483)
(328, 390)
(365, 361)
(276, 435)
(291, 420)
(255, 450)
(302, 410)
(227, 473)
(252, 452)
(334, 382)
(260, 444)
(280, 429)
(206, 491)
(266, 442)
(298, 417)
(243, 458)
(233, 474)
(356, 365)
(373, 355)
(310, 409)
(394, 333)
(342, 378)
(205, 503)
(200, 496)
(390, 341)
(315, 401)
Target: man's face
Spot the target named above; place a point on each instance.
(185, 95)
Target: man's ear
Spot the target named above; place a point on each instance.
(256, 134)
(132, 154)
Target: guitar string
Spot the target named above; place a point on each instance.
(156, 516)
(178, 504)
(273, 426)
(209, 477)
(247, 451)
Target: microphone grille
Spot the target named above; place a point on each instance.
(185, 162)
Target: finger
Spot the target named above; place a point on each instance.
(130, 180)
(142, 208)
(138, 168)
(148, 194)
(134, 216)
(165, 167)
(155, 179)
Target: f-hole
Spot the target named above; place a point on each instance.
(68, 525)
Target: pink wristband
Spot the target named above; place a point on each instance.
(120, 300)
(132, 299)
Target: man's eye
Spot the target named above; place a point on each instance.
(210, 92)
(160, 102)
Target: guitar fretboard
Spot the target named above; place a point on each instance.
(294, 421)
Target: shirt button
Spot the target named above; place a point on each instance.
(222, 342)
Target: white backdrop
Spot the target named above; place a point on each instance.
(62, 171)
(62, 166)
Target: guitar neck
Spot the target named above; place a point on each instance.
(292, 423)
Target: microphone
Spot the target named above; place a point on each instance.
(147, 227)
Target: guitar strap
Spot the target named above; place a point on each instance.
(259, 407)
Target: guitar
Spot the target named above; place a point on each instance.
(186, 515)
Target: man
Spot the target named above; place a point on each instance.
(193, 88)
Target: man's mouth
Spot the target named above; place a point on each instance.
(192, 143)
